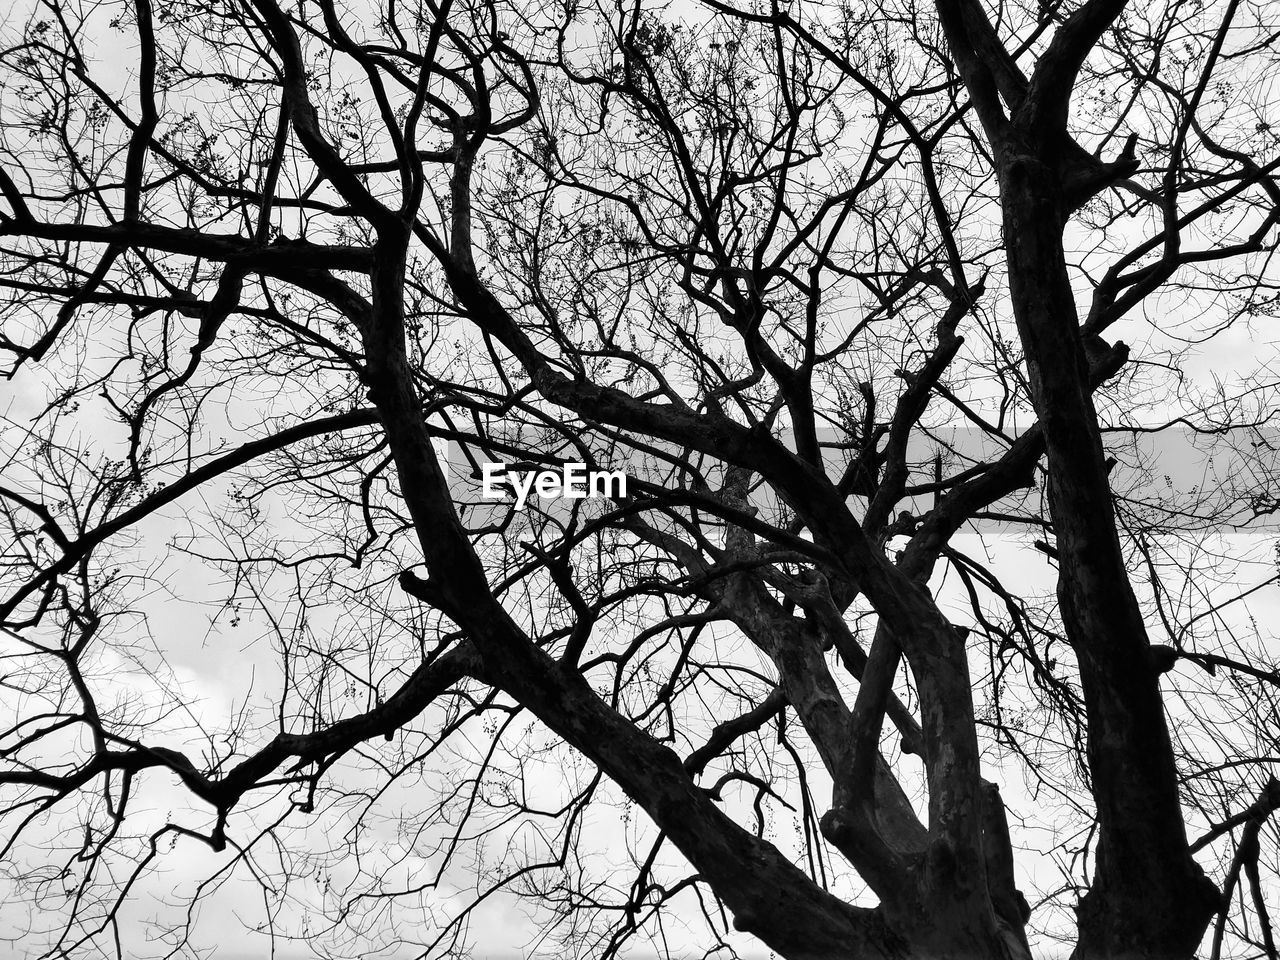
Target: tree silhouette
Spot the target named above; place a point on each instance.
(839, 287)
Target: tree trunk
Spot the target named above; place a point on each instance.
(1149, 899)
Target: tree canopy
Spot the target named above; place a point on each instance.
(936, 342)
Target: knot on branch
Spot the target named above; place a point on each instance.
(428, 591)
(1161, 658)
(837, 827)
(1084, 176)
(1105, 360)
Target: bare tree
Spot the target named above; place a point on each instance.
(838, 287)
